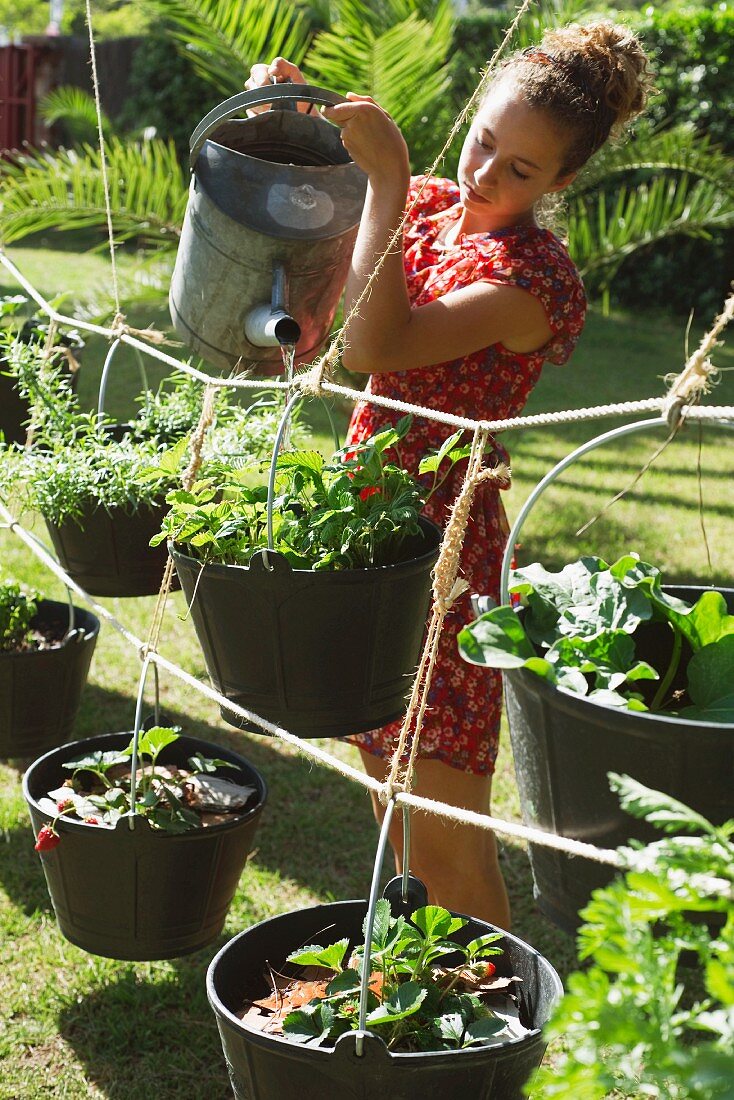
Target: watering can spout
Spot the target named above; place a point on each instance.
(267, 326)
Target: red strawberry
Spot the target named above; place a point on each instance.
(47, 839)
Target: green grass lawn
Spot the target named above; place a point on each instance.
(76, 1026)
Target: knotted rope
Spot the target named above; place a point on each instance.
(699, 373)
(447, 588)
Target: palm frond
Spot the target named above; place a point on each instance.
(64, 191)
(76, 109)
(403, 66)
(604, 229)
(224, 38)
(675, 149)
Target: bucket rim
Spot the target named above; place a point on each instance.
(286, 1045)
(90, 629)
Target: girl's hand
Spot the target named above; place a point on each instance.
(278, 71)
(372, 139)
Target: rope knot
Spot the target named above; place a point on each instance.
(311, 380)
(391, 788)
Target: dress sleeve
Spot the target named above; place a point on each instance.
(542, 266)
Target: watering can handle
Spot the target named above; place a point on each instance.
(255, 98)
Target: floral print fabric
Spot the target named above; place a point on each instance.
(461, 726)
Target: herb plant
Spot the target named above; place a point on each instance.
(79, 459)
(426, 991)
(579, 630)
(356, 511)
(17, 609)
(629, 1026)
(99, 790)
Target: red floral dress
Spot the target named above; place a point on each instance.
(461, 726)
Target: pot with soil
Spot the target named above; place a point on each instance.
(311, 617)
(45, 651)
(143, 869)
(288, 1014)
(606, 670)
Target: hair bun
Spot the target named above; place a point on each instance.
(610, 60)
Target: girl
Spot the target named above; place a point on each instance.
(462, 320)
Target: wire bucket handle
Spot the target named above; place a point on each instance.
(147, 662)
(550, 477)
(106, 374)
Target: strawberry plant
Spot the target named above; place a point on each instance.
(426, 990)
(356, 511)
(172, 798)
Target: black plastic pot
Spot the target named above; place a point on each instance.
(324, 654)
(265, 1067)
(40, 689)
(141, 893)
(107, 551)
(564, 746)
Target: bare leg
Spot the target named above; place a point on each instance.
(458, 863)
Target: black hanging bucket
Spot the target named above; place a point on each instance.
(141, 893)
(40, 690)
(266, 1067)
(106, 551)
(564, 745)
(323, 654)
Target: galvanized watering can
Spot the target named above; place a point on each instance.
(273, 211)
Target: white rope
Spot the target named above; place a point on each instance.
(596, 412)
(307, 748)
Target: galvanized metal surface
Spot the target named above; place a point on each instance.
(273, 197)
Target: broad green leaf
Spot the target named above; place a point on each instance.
(310, 1024)
(331, 956)
(381, 926)
(482, 1031)
(497, 640)
(711, 681)
(98, 761)
(450, 1027)
(153, 740)
(484, 945)
(434, 921)
(405, 1001)
(311, 461)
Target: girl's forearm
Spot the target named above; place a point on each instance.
(384, 314)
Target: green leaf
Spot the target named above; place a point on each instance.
(435, 922)
(483, 946)
(450, 1027)
(497, 639)
(405, 1001)
(331, 956)
(710, 680)
(482, 1031)
(656, 807)
(153, 740)
(310, 1024)
(97, 761)
(382, 923)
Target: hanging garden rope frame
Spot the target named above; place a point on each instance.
(317, 380)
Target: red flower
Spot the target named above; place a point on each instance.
(91, 821)
(47, 839)
(368, 491)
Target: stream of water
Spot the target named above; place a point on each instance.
(288, 353)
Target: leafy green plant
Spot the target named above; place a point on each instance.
(99, 790)
(79, 458)
(579, 628)
(354, 512)
(17, 609)
(629, 1027)
(426, 991)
